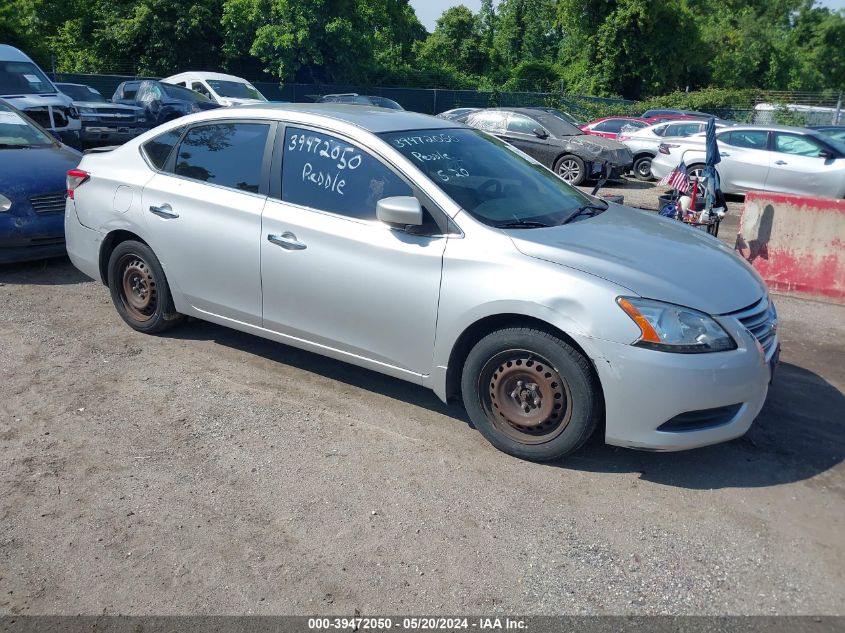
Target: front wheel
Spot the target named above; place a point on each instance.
(530, 393)
(572, 169)
(139, 288)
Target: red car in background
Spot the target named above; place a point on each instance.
(610, 126)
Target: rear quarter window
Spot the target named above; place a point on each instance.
(158, 149)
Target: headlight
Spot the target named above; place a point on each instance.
(87, 110)
(670, 328)
(5, 203)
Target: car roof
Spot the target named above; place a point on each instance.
(12, 54)
(371, 118)
(201, 74)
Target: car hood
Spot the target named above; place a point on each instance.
(30, 172)
(654, 257)
(598, 148)
(22, 102)
(232, 101)
(99, 105)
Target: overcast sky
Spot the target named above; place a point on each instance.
(429, 10)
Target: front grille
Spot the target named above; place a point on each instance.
(48, 203)
(40, 115)
(60, 116)
(701, 419)
(761, 320)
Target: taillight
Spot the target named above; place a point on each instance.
(664, 148)
(75, 177)
(622, 137)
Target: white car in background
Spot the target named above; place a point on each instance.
(771, 158)
(225, 90)
(643, 142)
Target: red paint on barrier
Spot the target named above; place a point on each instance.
(796, 243)
(808, 202)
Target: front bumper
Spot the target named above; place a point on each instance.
(30, 237)
(645, 389)
(109, 134)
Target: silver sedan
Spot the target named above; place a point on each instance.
(435, 253)
(763, 158)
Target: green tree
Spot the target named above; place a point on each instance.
(456, 43)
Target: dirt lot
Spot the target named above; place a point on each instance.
(208, 471)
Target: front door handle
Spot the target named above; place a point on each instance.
(164, 211)
(780, 162)
(723, 154)
(287, 240)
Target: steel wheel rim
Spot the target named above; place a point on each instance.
(569, 170)
(525, 397)
(138, 290)
(644, 167)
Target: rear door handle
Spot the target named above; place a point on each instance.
(724, 154)
(781, 162)
(287, 240)
(164, 211)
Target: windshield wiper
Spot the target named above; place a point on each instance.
(13, 146)
(593, 209)
(522, 224)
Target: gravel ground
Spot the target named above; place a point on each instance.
(208, 471)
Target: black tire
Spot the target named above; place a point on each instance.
(139, 289)
(571, 168)
(642, 168)
(555, 404)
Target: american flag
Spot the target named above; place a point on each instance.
(678, 178)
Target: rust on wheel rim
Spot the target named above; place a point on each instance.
(525, 397)
(138, 287)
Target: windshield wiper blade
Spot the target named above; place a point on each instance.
(595, 208)
(13, 146)
(522, 224)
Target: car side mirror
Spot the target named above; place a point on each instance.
(400, 211)
(540, 133)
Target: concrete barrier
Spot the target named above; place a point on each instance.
(796, 243)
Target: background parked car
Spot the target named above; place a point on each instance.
(644, 142)
(356, 99)
(33, 167)
(225, 90)
(457, 114)
(103, 122)
(611, 126)
(774, 158)
(556, 143)
(162, 102)
(836, 132)
(27, 88)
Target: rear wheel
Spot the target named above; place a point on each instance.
(530, 393)
(696, 170)
(642, 168)
(139, 288)
(572, 169)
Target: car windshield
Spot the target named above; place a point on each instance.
(562, 115)
(178, 92)
(81, 93)
(235, 89)
(494, 182)
(16, 131)
(23, 78)
(836, 133)
(384, 102)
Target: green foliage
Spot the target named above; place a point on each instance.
(637, 49)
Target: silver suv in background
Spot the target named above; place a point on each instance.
(25, 87)
(103, 122)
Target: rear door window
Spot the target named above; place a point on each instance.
(326, 173)
(226, 154)
(751, 139)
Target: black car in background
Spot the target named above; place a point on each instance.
(555, 142)
(160, 101)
